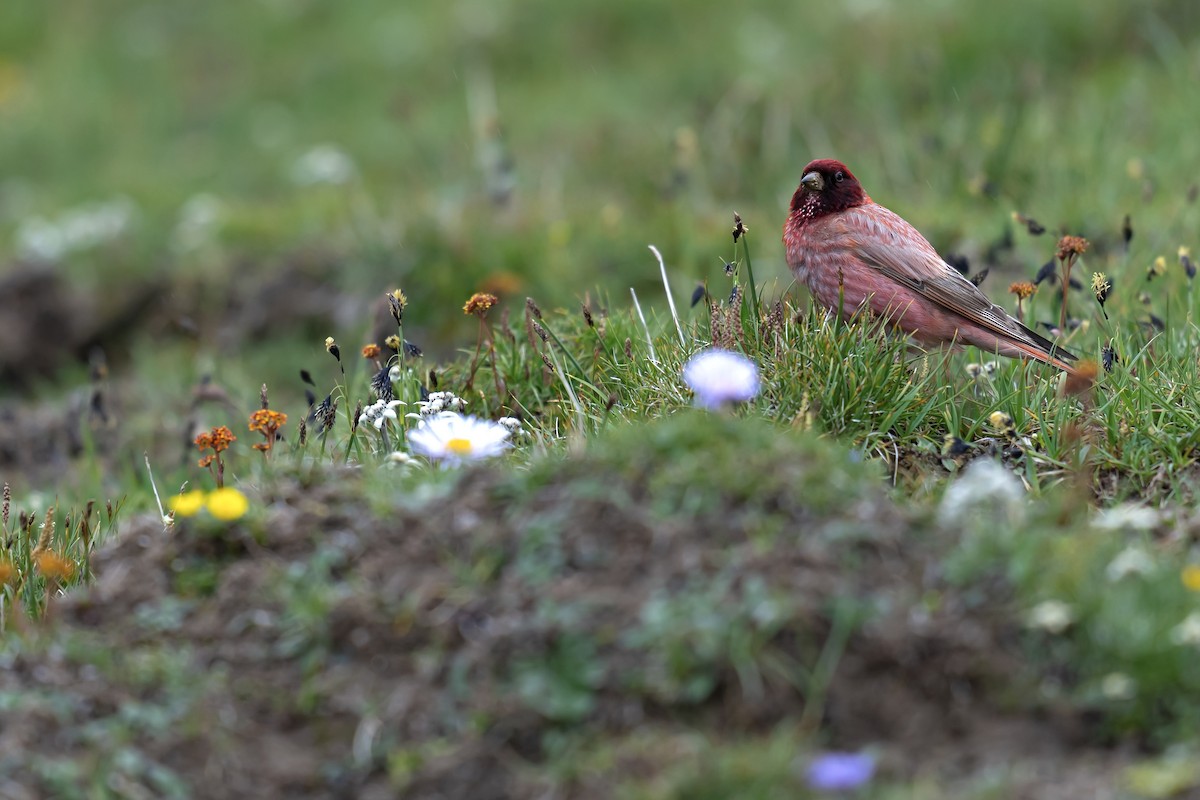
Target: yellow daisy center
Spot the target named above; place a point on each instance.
(459, 446)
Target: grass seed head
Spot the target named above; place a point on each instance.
(397, 302)
(739, 228)
(381, 384)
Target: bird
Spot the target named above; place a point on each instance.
(853, 253)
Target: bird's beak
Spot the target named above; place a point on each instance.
(813, 181)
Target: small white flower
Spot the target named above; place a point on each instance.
(1130, 561)
(199, 220)
(394, 373)
(1118, 686)
(1052, 616)
(719, 377)
(1187, 633)
(453, 438)
(1126, 517)
(379, 412)
(39, 238)
(76, 229)
(511, 423)
(439, 402)
(397, 458)
(983, 484)
(325, 163)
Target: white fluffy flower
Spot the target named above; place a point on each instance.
(1130, 561)
(1052, 616)
(451, 437)
(1188, 631)
(439, 402)
(75, 230)
(719, 377)
(1126, 517)
(1118, 686)
(984, 484)
(325, 163)
(379, 412)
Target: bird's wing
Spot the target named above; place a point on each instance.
(886, 242)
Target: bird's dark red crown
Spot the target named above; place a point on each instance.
(841, 190)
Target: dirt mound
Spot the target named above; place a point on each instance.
(449, 645)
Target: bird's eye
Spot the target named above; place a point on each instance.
(839, 176)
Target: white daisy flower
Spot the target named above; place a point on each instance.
(452, 438)
(719, 377)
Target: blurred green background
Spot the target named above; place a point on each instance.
(221, 152)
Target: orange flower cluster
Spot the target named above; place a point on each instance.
(1022, 289)
(217, 440)
(370, 350)
(268, 423)
(479, 304)
(1071, 246)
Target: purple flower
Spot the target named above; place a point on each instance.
(835, 772)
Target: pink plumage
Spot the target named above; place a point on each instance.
(840, 242)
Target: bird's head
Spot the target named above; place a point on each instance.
(827, 186)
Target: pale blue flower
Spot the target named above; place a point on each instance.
(839, 772)
(719, 377)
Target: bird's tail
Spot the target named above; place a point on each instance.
(1042, 349)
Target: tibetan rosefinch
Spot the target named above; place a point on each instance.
(850, 251)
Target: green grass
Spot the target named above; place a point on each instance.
(535, 149)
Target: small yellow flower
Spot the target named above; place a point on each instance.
(1191, 577)
(227, 504)
(187, 504)
(8, 571)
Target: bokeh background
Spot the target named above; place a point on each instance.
(200, 180)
